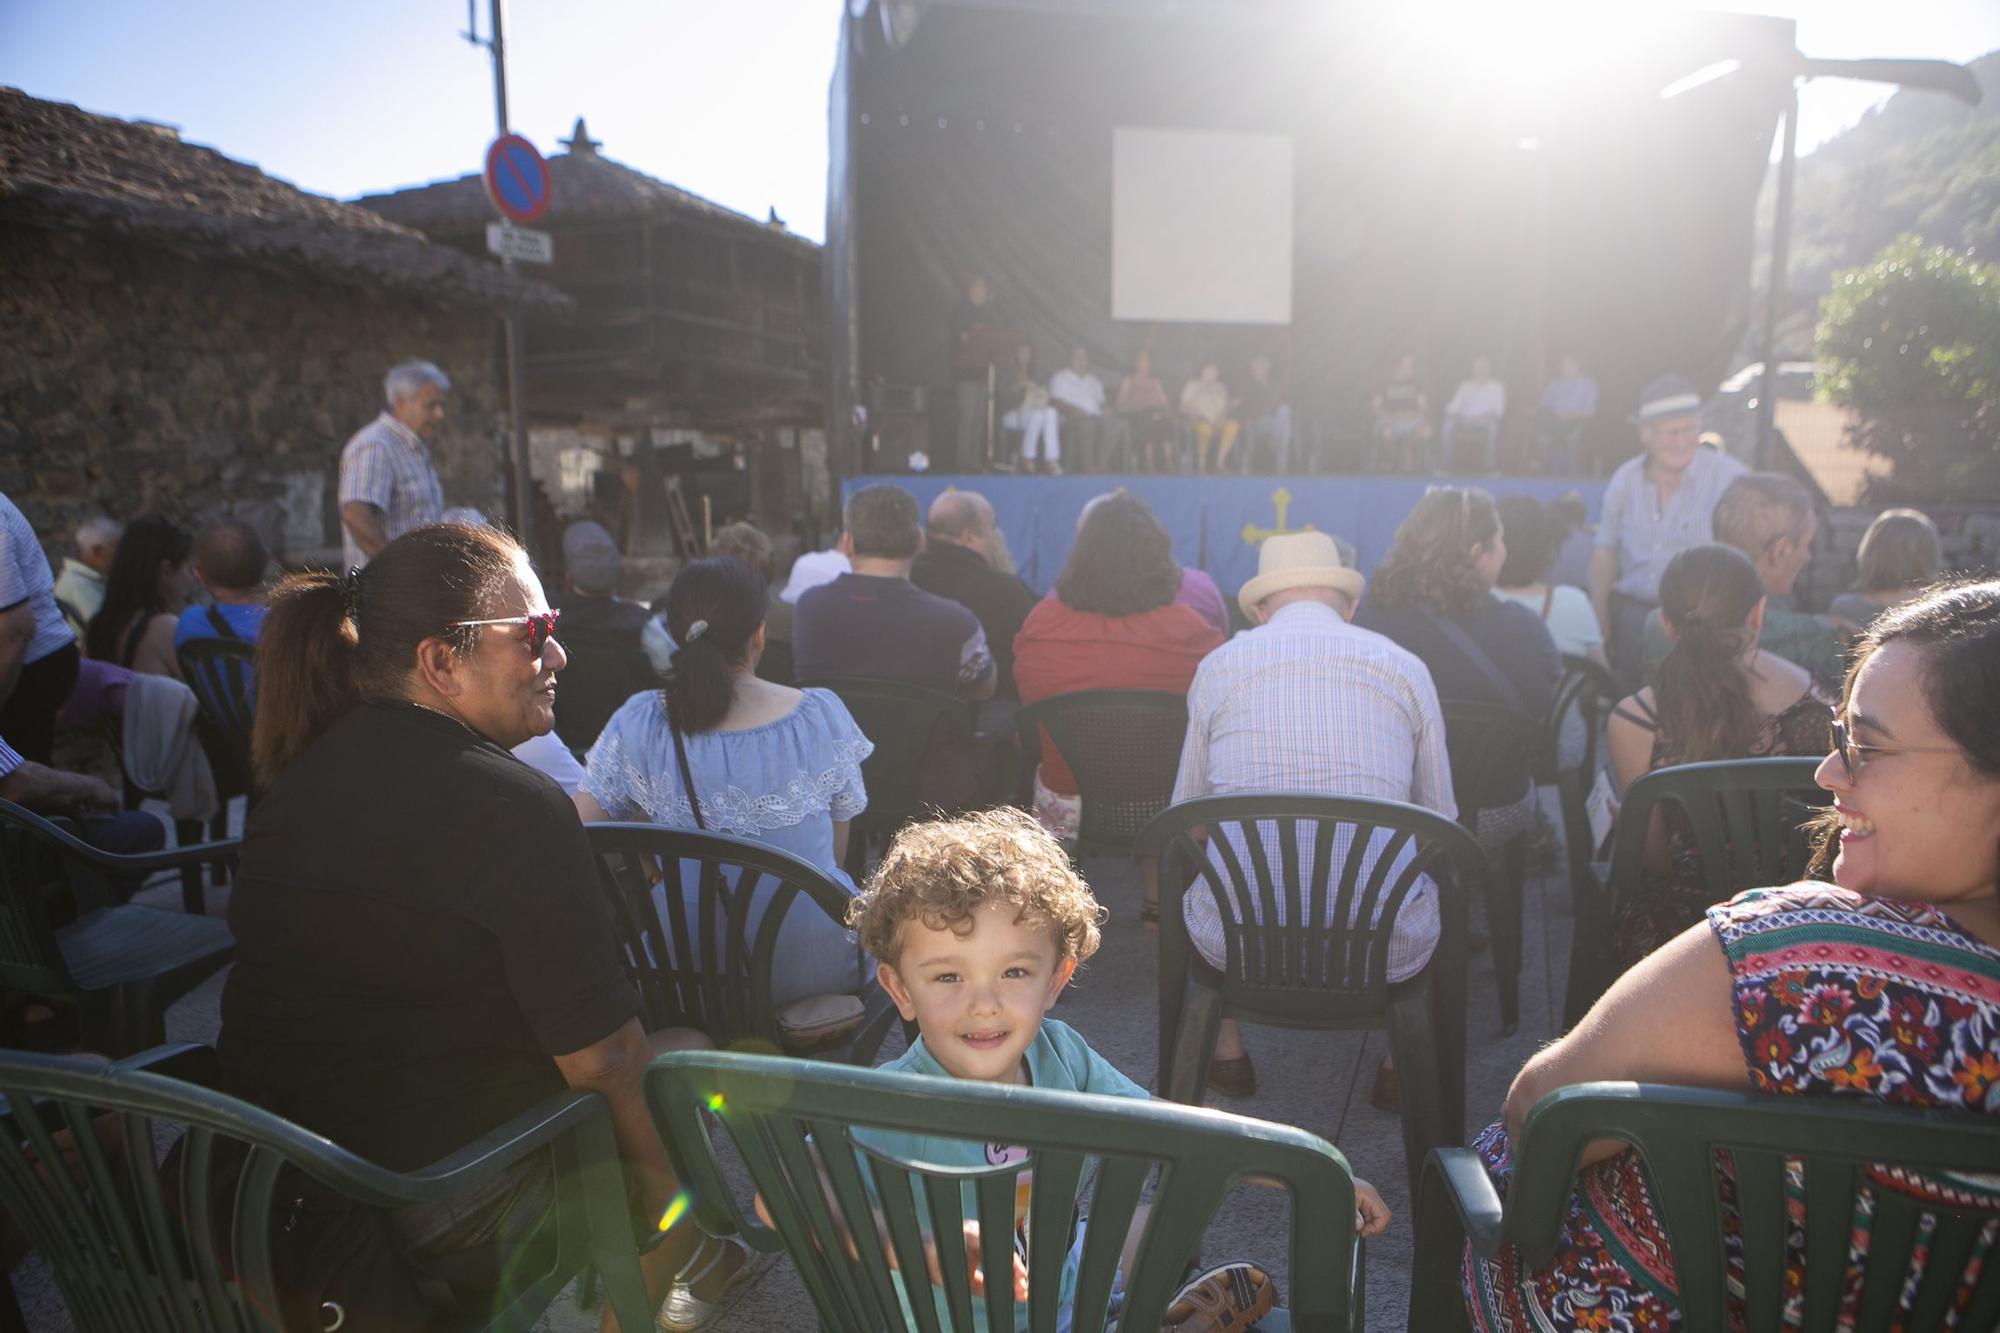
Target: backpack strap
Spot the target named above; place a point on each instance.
(220, 623)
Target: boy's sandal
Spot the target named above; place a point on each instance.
(1235, 1077)
(683, 1311)
(1228, 1299)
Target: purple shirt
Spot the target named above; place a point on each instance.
(1198, 592)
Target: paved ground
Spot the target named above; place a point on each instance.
(1318, 1081)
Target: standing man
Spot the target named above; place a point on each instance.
(80, 585)
(982, 348)
(1656, 506)
(1078, 396)
(960, 561)
(388, 484)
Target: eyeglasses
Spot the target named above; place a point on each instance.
(1852, 754)
(540, 626)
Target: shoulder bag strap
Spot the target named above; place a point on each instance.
(1477, 656)
(1548, 601)
(687, 774)
(220, 622)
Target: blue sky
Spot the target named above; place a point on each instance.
(723, 97)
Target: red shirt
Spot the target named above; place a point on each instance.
(1061, 650)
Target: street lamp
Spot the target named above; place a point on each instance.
(1935, 75)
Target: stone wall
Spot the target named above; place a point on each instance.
(135, 379)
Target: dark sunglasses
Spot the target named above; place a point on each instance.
(541, 626)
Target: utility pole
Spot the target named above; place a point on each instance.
(517, 392)
(1781, 244)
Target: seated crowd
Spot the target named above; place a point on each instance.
(405, 992)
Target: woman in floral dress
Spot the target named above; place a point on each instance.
(1883, 984)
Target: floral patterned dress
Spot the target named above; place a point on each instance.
(1836, 995)
(1671, 902)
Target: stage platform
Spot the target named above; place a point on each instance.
(1216, 521)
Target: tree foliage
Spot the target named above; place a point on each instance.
(1911, 342)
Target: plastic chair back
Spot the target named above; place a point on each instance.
(1897, 1208)
(918, 734)
(791, 1120)
(1123, 747)
(1494, 753)
(1748, 819)
(137, 1245)
(1585, 695)
(698, 954)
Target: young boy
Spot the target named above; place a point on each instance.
(977, 924)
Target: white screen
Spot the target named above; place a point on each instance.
(1201, 227)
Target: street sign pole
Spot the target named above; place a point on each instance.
(517, 391)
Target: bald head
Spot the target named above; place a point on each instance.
(97, 541)
(229, 559)
(963, 518)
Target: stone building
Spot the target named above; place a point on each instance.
(181, 333)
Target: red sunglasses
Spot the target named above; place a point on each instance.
(541, 626)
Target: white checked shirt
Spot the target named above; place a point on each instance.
(388, 465)
(1310, 703)
(1647, 534)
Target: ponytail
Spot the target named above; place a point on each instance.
(1703, 696)
(713, 610)
(305, 670)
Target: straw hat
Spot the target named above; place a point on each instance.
(1298, 560)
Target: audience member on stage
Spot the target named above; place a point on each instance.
(1900, 554)
(1267, 418)
(1576, 542)
(80, 582)
(1401, 435)
(1078, 398)
(1769, 517)
(1875, 983)
(874, 622)
(960, 562)
(1030, 413)
(1569, 401)
(229, 563)
(1524, 577)
(980, 346)
(748, 543)
(1112, 623)
(1720, 696)
(1433, 594)
(1473, 417)
(603, 636)
(1656, 506)
(1205, 408)
(143, 596)
(1306, 702)
(422, 947)
(38, 654)
(1146, 417)
(768, 762)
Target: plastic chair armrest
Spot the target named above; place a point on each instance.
(188, 1061)
(1465, 1183)
(173, 858)
(508, 1143)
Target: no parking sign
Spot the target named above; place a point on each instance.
(517, 179)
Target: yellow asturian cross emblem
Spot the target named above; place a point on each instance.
(1281, 504)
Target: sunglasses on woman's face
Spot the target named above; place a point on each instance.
(541, 625)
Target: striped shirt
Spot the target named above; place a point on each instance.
(25, 577)
(1310, 703)
(388, 465)
(10, 759)
(1647, 534)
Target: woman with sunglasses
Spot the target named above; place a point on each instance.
(422, 949)
(1718, 696)
(764, 760)
(1771, 992)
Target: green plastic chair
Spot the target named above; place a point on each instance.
(1677, 1131)
(1325, 977)
(1491, 746)
(134, 1247)
(119, 967)
(706, 968)
(1124, 748)
(921, 738)
(1748, 818)
(1585, 696)
(789, 1120)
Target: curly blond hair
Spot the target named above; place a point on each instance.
(943, 871)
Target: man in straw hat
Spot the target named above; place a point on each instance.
(1655, 506)
(1306, 702)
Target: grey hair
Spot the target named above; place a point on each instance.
(407, 378)
(98, 530)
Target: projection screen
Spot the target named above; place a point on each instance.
(1201, 226)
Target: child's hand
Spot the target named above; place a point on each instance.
(972, 1254)
(1371, 1215)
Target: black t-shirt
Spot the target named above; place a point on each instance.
(599, 622)
(1000, 600)
(419, 929)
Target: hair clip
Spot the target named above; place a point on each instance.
(696, 630)
(350, 593)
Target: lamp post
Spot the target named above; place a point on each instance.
(1935, 75)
